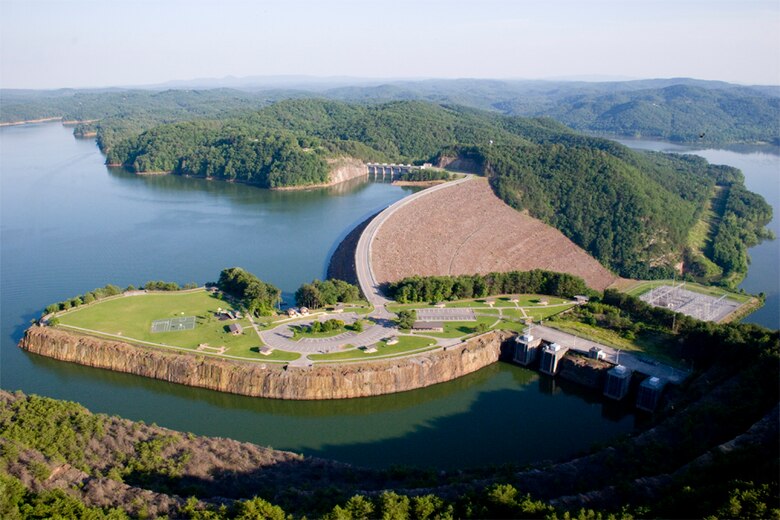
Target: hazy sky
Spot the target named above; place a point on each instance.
(49, 44)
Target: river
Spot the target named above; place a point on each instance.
(68, 224)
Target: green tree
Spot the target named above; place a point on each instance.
(406, 319)
(308, 295)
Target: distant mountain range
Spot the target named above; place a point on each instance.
(676, 109)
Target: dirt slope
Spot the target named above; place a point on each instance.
(466, 229)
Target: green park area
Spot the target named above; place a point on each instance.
(130, 318)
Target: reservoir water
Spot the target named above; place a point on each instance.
(68, 224)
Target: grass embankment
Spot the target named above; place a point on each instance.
(405, 344)
(701, 234)
(652, 343)
(130, 319)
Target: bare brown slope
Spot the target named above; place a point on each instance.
(466, 229)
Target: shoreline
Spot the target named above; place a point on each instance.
(31, 121)
(320, 382)
(342, 262)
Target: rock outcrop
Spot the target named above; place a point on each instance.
(268, 380)
(345, 169)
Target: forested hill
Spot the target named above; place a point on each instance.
(678, 113)
(677, 109)
(632, 211)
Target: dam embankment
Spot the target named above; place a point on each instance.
(267, 380)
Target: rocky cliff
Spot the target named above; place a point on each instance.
(345, 169)
(267, 380)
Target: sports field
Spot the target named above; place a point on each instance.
(176, 319)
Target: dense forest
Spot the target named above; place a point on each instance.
(742, 225)
(711, 450)
(679, 109)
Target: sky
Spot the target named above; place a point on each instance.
(99, 43)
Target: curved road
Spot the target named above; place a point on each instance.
(365, 272)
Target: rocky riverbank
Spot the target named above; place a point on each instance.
(267, 380)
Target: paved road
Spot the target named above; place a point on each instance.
(627, 359)
(281, 337)
(365, 272)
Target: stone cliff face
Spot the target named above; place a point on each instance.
(258, 380)
(345, 169)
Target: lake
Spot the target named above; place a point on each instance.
(69, 224)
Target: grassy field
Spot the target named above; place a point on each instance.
(131, 318)
(655, 344)
(704, 228)
(405, 344)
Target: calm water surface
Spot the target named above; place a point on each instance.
(68, 224)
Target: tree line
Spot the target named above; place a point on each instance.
(441, 288)
(329, 292)
(112, 290)
(741, 226)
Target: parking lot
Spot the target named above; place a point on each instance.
(446, 315)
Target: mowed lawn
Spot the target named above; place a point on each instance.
(131, 317)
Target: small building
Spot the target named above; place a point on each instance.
(618, 381)
(428, 326)
(369, 350)
(543, 302)
(551, 356)
(596, 353)
(526, 348)
(440, 305)
(514, 299)
(392, 341)
(339, 307)
(266, 351)
(490, 301)
(235, 329)
(292, 312)
(304, 311)
(581, 299)
(649, 393)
